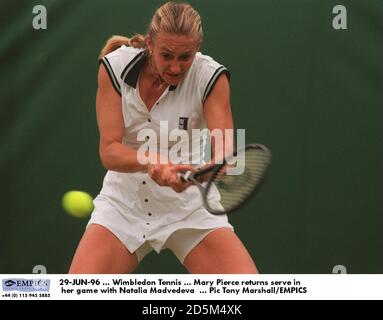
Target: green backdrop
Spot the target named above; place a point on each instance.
(313, 94)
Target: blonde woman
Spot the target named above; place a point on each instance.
(143, 82)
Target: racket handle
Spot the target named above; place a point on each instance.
(184, 175)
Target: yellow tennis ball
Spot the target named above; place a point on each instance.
(78, 204)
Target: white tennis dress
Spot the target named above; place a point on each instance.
(142, 214)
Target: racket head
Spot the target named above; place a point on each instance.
(230, 187)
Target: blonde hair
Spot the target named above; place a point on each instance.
(114, 42)
(172, 17)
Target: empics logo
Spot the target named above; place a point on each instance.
(9, 283)
(26, 285)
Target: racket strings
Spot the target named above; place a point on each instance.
(235, 189)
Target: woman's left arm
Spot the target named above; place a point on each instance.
(217, 112)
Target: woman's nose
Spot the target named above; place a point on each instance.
(175, 69)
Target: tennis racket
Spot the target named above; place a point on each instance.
(228, 185)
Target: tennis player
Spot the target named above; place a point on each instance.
(142, 81)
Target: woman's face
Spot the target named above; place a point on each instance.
(172, 55)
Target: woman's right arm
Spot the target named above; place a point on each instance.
(114, 155)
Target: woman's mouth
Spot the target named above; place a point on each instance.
(173, 76)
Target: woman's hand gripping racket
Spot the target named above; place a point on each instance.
(230, 184)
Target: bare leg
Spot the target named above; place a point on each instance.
(220, 252)
(101, 252)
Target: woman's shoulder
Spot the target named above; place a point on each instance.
(203, 62)
(125, 53)
(203, 58)
(117, 62)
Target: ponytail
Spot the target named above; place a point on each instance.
(114, 42)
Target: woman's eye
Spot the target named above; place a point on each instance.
(166, 56)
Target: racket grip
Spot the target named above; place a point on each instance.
(184, 175)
